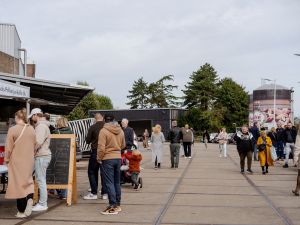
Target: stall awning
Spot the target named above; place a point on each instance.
(53, 97)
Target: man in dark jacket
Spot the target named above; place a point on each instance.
(290, 135)
(129, 134)
(254, 130)
(245, 143)
(175, 136)
(93, 167)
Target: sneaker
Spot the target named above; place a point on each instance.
(242, 170)
(264, 173)
(136, 187)
(39, 208)
(249, 171)
(28, 209)
(90, 197)
(90, 190)
(118, 209)
(190, 157)
(20, 215)
(286, 166)
(104, 197)
(109, 211)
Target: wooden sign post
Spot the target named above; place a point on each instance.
(61, 172)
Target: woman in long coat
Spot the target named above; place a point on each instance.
(264, 145)
(19, 157)
(157, 140)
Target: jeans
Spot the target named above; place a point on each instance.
(22, 203)
(187, 146)
(223, 149)
(135, 177)
(111, 174)
(93, 172)
(174, 152)
(289, 148)
(103, 188)
(243, 156)
(280, 150)
(41, 164)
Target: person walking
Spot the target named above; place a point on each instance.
(19, 157)
(62, 128)
(273, 136)
(94, 166)
(42, 156)
(206, 139)
(223, 138)
(254, 130)
(129, 135)
(110, 143)
(245, 145)
(289, 142)
(297, 160)
(264, 145)
(146, 139)
(280, 141)
(157, 141)
(175, 137)
(187, 140)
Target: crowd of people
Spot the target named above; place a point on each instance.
(112, 148)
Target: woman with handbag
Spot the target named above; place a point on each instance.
(19, 157)
(264, 145)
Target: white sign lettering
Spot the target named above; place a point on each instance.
(13, 90)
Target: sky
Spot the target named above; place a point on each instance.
(112, 43)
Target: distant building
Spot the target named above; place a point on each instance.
(10, 54)
(141, 119)
(261, 106)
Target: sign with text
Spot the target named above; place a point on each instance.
(13, 90)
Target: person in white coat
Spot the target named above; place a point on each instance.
(157, 140)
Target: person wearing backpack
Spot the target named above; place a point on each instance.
(42, 156)
(19, 158)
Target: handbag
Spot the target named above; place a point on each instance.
(262, 147)
(22, 132)
(273, 153)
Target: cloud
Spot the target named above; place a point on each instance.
(111, 43)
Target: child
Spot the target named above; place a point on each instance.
(134, 166)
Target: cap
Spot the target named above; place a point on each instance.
(34, 111)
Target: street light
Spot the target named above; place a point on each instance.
(274, 103)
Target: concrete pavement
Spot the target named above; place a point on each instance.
(206, 189)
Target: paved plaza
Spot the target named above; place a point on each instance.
(206, 189)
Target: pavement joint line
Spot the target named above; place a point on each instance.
(164, 209)
(33, 216)
(277, 210)
(93, 221)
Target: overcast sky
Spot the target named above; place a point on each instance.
(112, 43)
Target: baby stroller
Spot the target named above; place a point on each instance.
(125, 174)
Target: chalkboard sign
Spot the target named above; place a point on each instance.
(58, 169)
(61, 172)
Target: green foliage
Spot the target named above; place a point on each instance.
(200, 91)
(90, 102)
(138, 94)
(214, 103)
(158, 94)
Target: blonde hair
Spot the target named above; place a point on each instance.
(62, 122)
(22, 115)
(136, 152)
(157, 129)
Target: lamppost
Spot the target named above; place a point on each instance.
(274, 103)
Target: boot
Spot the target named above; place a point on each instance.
(263, 170)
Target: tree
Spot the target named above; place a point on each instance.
(138, 94)
(232, 100)
(160, 93)
(91, 101)
(200, 91)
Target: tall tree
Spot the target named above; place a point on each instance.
(160, 93)
(138, 94)
(232, 99)
(200, 91)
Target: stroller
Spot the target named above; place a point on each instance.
(125, 174)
